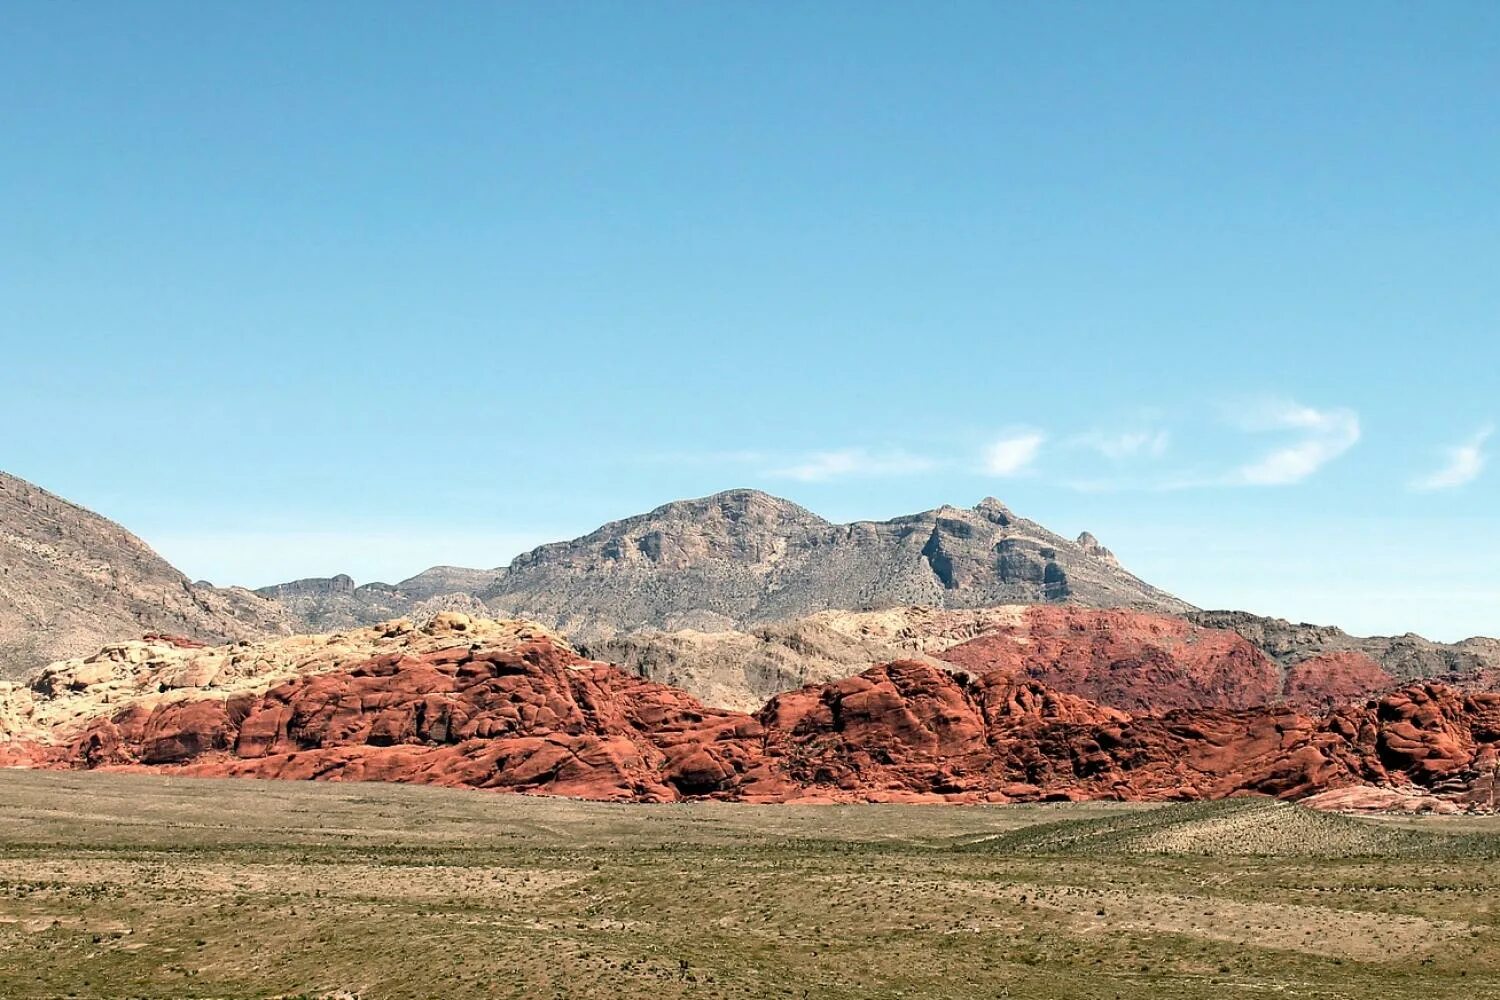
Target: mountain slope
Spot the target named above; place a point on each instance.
(71, 580)
(330, 604)
(743, 557)
(1403, 657)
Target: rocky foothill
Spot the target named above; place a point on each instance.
(509, 705)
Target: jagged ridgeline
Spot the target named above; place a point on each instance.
(743, 557)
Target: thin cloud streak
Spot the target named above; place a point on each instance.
(1312, 438)
(1318, 437)
(1464, 464)
(1014, 454)
(1121, 445)
(1326, 434)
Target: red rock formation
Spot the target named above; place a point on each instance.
(907, 730)
(1154, 663)
(1125, 659)
(537, 718)
(1330, 679)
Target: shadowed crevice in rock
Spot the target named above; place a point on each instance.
(941, 563)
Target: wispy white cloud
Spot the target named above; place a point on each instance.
(1121, 445)
(854, 462)
(1142, 454)
(1013, 454)
(1463, 464)
(1324, 435)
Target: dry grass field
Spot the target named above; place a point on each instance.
(117, 885)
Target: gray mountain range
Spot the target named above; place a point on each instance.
(742, 558)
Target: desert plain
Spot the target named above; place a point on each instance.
(118, 885)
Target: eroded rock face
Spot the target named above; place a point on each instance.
(1330, 679)
(146, 673)
(508, 706)
(1130, 660)
(532, 718)
(906, 730)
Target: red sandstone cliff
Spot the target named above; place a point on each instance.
(533, 716)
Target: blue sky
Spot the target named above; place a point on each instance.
(296, 289)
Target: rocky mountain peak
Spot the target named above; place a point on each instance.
(737, 506)
(743, 557)
(1090, 546)
(994, 511)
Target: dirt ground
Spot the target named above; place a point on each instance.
(116, 885)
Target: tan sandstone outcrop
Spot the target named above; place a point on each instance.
(165, 670)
